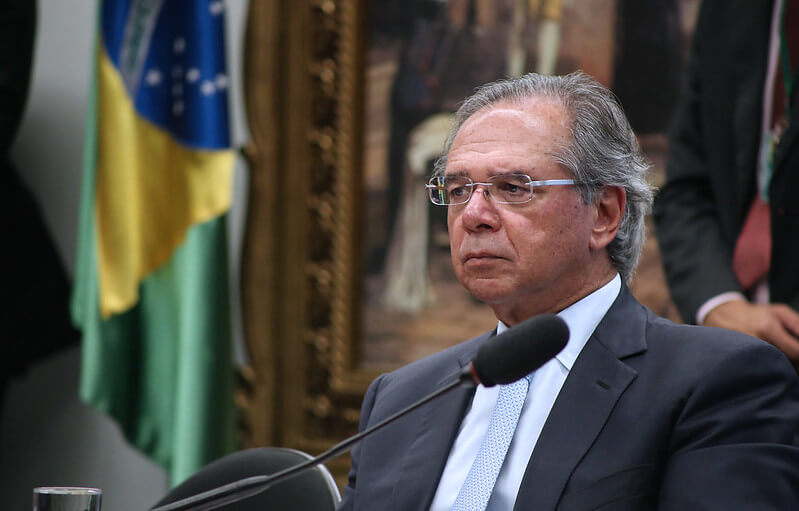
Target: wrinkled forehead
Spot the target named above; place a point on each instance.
(547, 113)
(512, 131)
(520, 115)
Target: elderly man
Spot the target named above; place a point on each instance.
(546, 196)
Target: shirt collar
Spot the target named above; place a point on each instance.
(582, 317)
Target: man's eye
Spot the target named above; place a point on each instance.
(511, 188)
(456, 191)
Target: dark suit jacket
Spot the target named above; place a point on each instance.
(711, 168)
(34, 294)
(653, 415)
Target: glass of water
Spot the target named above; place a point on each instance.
(57, 498)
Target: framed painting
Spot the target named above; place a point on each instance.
(346, 267)
(421, 59)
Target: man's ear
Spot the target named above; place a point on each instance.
(609, 213)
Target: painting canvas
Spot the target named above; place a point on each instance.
(422, 58)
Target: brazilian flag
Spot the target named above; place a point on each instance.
(151, 282)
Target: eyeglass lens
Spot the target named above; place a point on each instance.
(505, 188)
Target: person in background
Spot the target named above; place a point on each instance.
(728, 215)
(34, 290)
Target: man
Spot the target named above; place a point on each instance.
(546, 195)
(728, 215)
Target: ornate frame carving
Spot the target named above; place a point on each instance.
(303, 88)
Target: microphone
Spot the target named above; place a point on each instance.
(519, 351)
(502, 359)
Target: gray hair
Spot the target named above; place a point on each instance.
(603, 150)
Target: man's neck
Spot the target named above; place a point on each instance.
(527, 307)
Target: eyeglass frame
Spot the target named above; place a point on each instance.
(531, 183)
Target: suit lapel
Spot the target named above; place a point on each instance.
(747, 118)
(438, 427)
(749, 62)
(787, 143)
(594, 385)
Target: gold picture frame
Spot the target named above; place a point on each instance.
(302, 268)
(303, 387)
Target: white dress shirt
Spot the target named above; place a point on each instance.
(582, 318)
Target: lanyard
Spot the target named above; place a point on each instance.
(789, 75)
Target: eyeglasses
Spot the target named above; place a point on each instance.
(507, 188)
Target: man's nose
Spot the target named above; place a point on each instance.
(480, 212)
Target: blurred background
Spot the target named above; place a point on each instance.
(47, 435)
(322, 319)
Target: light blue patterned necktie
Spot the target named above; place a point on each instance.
(479, 483)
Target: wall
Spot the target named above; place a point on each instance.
(47, 436)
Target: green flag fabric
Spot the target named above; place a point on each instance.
(151, 282)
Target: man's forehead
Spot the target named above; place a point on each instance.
(532, 109)
(544, 119)
(512, 135)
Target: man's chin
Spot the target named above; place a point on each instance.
(488, 291)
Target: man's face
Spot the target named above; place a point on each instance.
(521, 259)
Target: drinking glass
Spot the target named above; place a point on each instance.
(66, 499)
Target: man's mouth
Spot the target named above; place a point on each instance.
(480, 256)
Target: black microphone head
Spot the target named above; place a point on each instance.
(520, 350)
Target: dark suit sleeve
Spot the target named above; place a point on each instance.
(348, 493)
(696, 256)
(734, 445)
(17, 31)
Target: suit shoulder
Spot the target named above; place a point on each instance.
(421, 376)
(706, 348)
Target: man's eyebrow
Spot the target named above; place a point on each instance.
(492, 173)
(509, 172)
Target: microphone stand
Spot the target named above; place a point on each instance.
(239, 490)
